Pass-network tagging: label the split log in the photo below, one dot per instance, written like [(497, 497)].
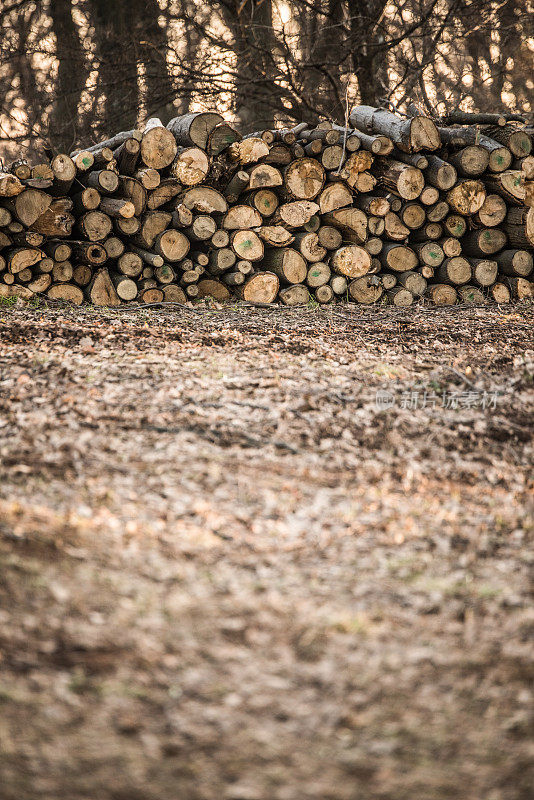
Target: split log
[(250, 151), (334, 196), (264, 176), (205, 200), (309, 246), (66, 291), (350, 221), (56, 220), (241, 217), (28, 205), (492, 212), (295, 214), (520, 288)]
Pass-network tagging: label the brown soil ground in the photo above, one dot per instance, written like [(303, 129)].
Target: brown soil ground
[(227, 574)]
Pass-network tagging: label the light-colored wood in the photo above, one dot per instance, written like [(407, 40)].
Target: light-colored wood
[(220, 138), (395, 228), (413, 281), (56, 220), (456, 270), (467, 197), (117, 208), (263, 200), (351, 261), (101, 290), (264, 176), (248, 151), (202, 228), (172, 293), (167, 190), (515, 263), (130, 264), (400, 296), (492, 212), (88, 253), (304, 178), (329, 237), (500, 293), (260, 288), (410, 134), (318, 274), (334, 196), (29, 205), (470, 161), (190, 166), (295, 214), (172, 245), (442, 294), (212, 288), (307, 243), (296, 295), (350, 221), (205, 200), (275, 235), (365, 290), (470, 294), (398, 257), (430, 253), (484, 242), (324, 294), (403, 179), (288, 264), (66, 291), (484, 271), (241, 217), (356, 163), (247, 245), (521, 289), (19, 258), (221, 260), (94, 226), (133, 190), (194, 129), (10, 185)]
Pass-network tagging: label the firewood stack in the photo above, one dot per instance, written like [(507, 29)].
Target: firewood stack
[(392, 209)]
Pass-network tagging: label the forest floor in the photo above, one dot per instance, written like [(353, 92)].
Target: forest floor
[(231, 571)]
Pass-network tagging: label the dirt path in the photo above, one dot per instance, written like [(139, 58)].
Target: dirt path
[(228, 574)]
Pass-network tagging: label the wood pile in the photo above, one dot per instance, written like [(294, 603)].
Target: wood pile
[(391, 209)]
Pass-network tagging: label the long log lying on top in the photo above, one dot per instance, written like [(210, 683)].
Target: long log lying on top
[(409, 134)]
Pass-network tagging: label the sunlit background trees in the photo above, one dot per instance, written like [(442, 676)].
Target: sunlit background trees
[(74, 71)]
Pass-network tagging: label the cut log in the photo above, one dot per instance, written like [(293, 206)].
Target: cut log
[(202, 228), (358, 162), (237, 183), (515, 263), (324, 294), (295, 214), (101, 291), (149, 178), (113, 246), (484, 242), (402, 179), (318, 275), (467, 197), (379, 145), (519, 227), (248, 151), (66, 291), (220, 138), (19, 258), (309, 246), (294, 295), (158, 145), (58, 250), (470, 161), (260, 288), (130, 264), (88, 253), (400, 297), (275, 235), (430, 253), (329, 237), (374, 245), (105, 181), (440, 173), (263, 200), (117, 208), (510, 185), (441, 294), (86, 200), (151, 294), (409, 134), (413, 281), (351, 261), (127, 155), (437, 212), (94, 226), (134, 191), (456, 270), (264, 176), (365, 290), (520, 288), (221, 260), (241, 217), (484, 271), (82, 275), (413, 215), (395, 228), (172, 293), (500, 157), (333, 157), (10, 185), (212, 288), (351, 222), (195, 128), (247, 245), (455, 225), (398, 257), (304, 179), (64, 170), (500, 293), (205, 200), (172, 245), (450, 245), (339, 284), (29, 205), (190, 166), (429, 196), (126, 288), (334, 196), (514, 137), (233, 278), (288, 264), (167, 190), (40, 284), (56, 220), (15, 290), (470, 294), (492, 212)]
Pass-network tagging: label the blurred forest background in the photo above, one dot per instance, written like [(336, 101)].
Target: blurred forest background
[(74, 71)]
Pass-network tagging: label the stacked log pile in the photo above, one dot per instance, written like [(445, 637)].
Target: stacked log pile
[(391, 209)]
